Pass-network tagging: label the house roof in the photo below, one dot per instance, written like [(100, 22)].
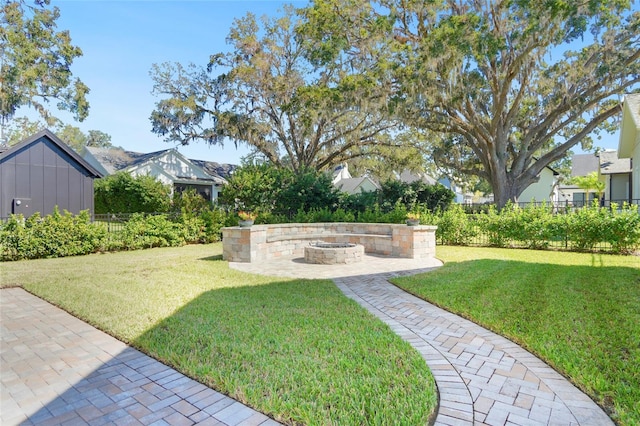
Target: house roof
[(25, 144), (116, 159), (351, 185), (610, 164), (215, 169), (583, 164), (408, 177), (630, 126)]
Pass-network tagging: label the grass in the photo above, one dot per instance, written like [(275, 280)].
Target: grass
[(297, 350), (579, 312)]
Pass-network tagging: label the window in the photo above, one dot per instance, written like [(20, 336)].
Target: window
[(579, 198), (203, 190)]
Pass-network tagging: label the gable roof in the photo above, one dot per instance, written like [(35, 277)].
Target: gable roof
[(215, 169), (583, 164), (117, 159), (353, 185), (47, 134), (409, 177), (630, 126), (610, 163)]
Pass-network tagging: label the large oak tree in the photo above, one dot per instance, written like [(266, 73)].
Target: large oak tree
[(272, 92), (35, 62), (505, 87)]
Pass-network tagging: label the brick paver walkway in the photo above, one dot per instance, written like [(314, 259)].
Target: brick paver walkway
[(58, 370), (482, 378)]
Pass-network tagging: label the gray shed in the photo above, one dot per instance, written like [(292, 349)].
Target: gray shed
[(42, 172)]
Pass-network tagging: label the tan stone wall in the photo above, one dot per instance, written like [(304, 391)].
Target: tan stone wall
[(263, 242)]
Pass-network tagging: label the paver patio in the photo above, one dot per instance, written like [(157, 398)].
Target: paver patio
[(57, 370)]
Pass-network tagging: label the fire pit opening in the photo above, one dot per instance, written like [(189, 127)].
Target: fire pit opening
[(326, 253), (323, 244)]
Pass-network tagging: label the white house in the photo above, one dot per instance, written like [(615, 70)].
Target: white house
[(545, 189), (616, 174), (613, 171), (168, 166), (629, 145), (343, 181)]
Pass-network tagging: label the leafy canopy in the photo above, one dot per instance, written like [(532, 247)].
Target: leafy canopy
[(21, 128), (123, 193), (274, 93), (36, 62), (504, 88)]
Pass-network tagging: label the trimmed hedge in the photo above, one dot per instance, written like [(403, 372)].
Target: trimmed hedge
[(59, 235), (536, 227)]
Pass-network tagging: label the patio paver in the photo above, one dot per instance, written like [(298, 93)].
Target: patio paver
[(55, 369)]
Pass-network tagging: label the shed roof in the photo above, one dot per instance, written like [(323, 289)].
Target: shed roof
[(25, 144)]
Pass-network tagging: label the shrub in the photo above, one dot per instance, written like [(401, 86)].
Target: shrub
[(491, 224), (455, 227), (279, 191), (587, 227), (306, 190), (213, 220), (414, 194), (55, 235), (150, 231), (123, 193), (622, 228)]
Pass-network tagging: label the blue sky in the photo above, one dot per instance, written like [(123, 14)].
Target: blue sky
[(120, 41)]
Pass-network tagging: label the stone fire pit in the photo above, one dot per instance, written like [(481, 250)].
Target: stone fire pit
[(325, 253)]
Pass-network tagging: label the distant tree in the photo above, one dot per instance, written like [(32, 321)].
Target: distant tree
[(98, 139), (77, 139), (271, 93), (72, 136), (35, 66), (589, 183), (507, 87), (19, 129)]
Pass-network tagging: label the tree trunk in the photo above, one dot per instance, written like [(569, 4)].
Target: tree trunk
[(505, 190)]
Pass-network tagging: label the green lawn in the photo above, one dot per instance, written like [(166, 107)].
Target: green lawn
[(297, 350), (579, 312)]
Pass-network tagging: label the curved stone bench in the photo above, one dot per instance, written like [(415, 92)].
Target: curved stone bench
[(264, 242)]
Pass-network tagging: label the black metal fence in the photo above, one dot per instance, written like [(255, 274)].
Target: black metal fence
[(477, 237), (115, 222), (557, 207), (470, 234)]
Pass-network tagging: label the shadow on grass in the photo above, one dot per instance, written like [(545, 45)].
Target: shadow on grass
[(297, 350), (217, 257)]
